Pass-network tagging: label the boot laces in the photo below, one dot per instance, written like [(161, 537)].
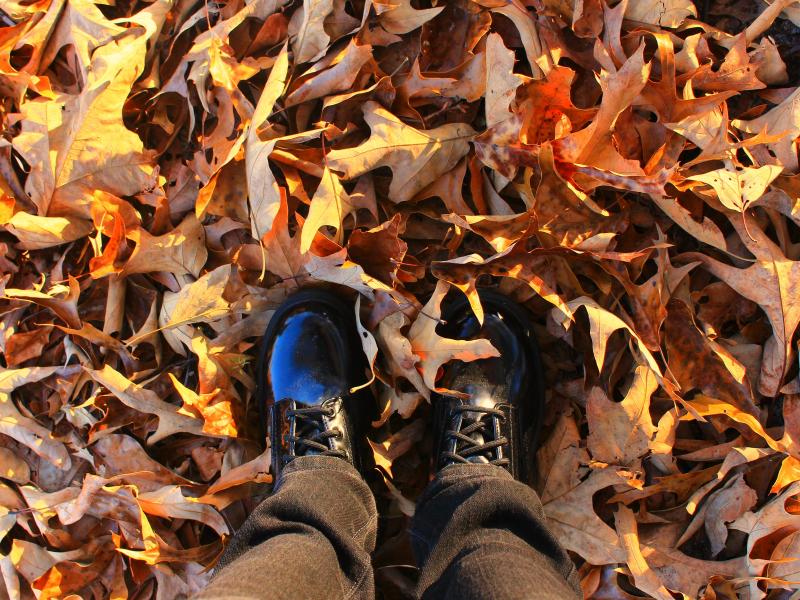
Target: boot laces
[(475, 438), (310, 432)]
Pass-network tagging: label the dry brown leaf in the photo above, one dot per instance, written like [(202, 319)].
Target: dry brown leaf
[(35, 233), (782, 121), (738, 189), (771, 282), (501, 81), (24, 429), (138, 398), (329, 206), (724, 506), (13, 468), (416, 157), (329, 79), (120, 456), (643, 577), (697, 362), (401, 359), (181, 251), (785, 567), (307, 31), (170, 502), (561, 459), (666, 13), (21, 347), (621, 432), (399, 16), (778, 513), (201, 301), (263, 193), (577, 526), (255, 471), (71, 148)]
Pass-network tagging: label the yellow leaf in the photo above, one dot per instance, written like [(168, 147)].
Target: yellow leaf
[(329, 206), (737, 189), (666, 13), (416, 157), (35, 233), (435, 350)]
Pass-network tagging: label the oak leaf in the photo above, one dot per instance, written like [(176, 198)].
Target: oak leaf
[(262, 188), (621, 432), (577, 525), (643, 576), (180, 251), (72, 150), (435, 350), (772, 283), (329, 206), (738, 189), (307, 30), (143, 400), (501, 81), (201, 301), (666, 13), (35, 232), (416, 157), (398, 16)]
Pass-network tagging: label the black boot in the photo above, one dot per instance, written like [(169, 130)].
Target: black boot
[(310, 359), (499, 420)]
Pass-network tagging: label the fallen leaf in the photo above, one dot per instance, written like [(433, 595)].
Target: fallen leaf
[(724, 506), (435, 350), (170, 502), (35, 233), (738, 189), (329, 206), (769, 282), (263, 192), (180, 251), (782, 121), (416, 157), (13, 468), (643, 577), (138, 398), (621, 432), (666, 13), (400, 17), (307, 30), (201, 301)]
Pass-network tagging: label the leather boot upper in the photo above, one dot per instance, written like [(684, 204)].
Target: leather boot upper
[(311, 358), (495, 414)]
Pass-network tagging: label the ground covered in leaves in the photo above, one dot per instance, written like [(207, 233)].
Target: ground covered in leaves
[(170, 171)]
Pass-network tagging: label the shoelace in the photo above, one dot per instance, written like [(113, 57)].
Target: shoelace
[(310, 431), (471, 428)]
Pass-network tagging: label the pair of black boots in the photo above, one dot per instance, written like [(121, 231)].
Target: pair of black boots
[(311, 357)]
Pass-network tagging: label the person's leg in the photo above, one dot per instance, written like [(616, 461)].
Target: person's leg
[(478, 533), (312, 538), (480, 530)]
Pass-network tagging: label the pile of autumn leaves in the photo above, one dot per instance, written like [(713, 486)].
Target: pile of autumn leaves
[(170, 171)]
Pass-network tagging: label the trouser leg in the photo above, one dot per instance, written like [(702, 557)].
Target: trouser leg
[(478, 533), (312, 538)]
